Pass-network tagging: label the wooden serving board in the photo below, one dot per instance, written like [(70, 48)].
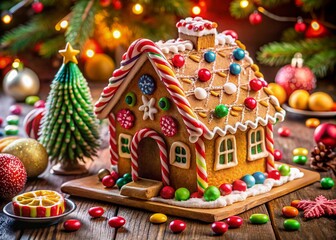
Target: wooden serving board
[(90, 187)]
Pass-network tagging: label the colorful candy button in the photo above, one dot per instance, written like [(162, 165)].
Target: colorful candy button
[(130, 99), (11, 130), (72, 225), (259, 177), (146, 84), (31, 100), (204, 75), (259, 218), (255, 84), (225, 189), (234, 221), (249, 180), (211, 193), (239, 185), (12, 120), (102, 173), (96, 212), (177, 226), (15, 109), (274, 174), (108, 181), (221, 111), (39, 104), (235, 68), (295, 203), (121, 182), (327, 183), (167, 192), (210, 56), (230, 88), (116, 222), (300, 151), (277, 155), (182, 194), (312, 122), (284, 169), (300, 159), (158, 218), (219, 227), (289, 211), (164, 103), (200, 93), (114, 175), (250, 103), (284, 132), (238, 53), (178, 60), (291, 225)]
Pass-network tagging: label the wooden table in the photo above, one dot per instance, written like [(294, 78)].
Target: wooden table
[(138, 225)]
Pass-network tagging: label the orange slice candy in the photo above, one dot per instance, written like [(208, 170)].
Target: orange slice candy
[(40, 203)]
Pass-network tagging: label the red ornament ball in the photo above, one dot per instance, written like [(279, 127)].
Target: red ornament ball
[(326, 133), (204, 75), (225, 189), (239, 185), (219, 227), (316, 30), (255, 84), (255, 18), (104, 3), (71, 225), (117, 5), (231, 33), (116, 222), (250, 103), (32, 122), (277, 155), (96, 212), (284, 132), (37, 7), (177, 226), (178, 60), (275, 174), (234, 221), (300, 27), (13, 176), (167, 192), (298, 3), (108, 181)]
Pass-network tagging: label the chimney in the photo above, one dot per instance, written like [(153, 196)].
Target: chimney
[(200, 32)]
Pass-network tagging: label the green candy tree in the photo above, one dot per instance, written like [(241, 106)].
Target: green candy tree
[(69, 129)]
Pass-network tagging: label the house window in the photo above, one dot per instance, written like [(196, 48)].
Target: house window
[(226, 154), (180, 155), (256, 144), (124, 144)]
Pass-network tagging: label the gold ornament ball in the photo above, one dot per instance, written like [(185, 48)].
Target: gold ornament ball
[(31, 153), (99, 68)]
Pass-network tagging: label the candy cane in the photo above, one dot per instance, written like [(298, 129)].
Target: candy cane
[(202, 176), (139, 135), (270, 147), (113, 140)]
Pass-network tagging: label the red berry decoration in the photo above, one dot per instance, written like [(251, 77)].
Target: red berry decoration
[(255, 18), (277, 155), (116, 222), (225, 189), (108, 181), (231, 33), (234, 221), (177, 226), (37, 7), (219, 227), (114, 175), (13, 176), (275, 174), (72, 225), (96, 212), (284, 132), (255, 84), (204, 75), (239, 185), (168, 126), (300, 26), (250, 103), (178, 60), (167, 192), (104, 3), (125, 118)]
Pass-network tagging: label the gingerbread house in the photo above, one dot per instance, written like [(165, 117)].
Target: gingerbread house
[(190, 112)]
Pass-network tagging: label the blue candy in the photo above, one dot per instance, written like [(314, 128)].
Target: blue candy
[(210, 56), (146, 84), (249, 180), (235, 68), (259, 177), (238, 54)]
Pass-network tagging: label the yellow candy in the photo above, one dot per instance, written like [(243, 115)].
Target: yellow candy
[(158, 218), (312, 122), (300, 152)]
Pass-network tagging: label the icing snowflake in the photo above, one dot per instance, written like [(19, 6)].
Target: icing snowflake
[(168, 126), (146, 84), (321, 206), (148, 108), (125, 118)]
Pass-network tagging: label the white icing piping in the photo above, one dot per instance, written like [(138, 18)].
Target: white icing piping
[(174, 46), (196, 27)]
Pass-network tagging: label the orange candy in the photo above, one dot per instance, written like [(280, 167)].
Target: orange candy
[(312, 122), (289, 211), (295, 203)]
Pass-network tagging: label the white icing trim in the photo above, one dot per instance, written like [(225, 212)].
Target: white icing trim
[(222, 39), (174, 45), (148, 107), (264, 153), (195, 24), (172, 155), (219, 141), (121, 153)]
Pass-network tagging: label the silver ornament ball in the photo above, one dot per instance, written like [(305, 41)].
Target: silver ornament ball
[(20, 84)]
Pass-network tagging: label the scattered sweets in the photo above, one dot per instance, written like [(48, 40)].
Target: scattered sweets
[(221, 111), (238, 53), (284, 132), (219, 227), (102, 173), (11, 130), (114, 175), (290, 212), (72, 225), (211, 193), (230, 88), (15, 109), (259, 177), (225, 189), (128, 177), (177, 226), (295, 203), (182, 194), (312, 122), (284, 169), (259, 218), (255, 84), (275, 174), (250, 103), (178, 60), (204, 75), (300, 151), (121, 182), (234, 221), (116, 222), (96, 212), (158, 218), (239, 185), (1, 121), (210, 56), (249, 180), (200, 93), (300, 159), (31, 100), (327, 183), (291, 225), (12, 120), (235, 68), (167, 192), (108, 181), (277, 155)]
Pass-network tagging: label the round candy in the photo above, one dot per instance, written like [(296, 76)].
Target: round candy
[(230, 88), (300, 159), (259, 177), (39, 104), (11, 130), (96, 212), (312, 122), (221, 111), (300, 151), (277, 155), (238, 53), (250, 103), (128, 177), (225, 189), (125, 118), (235, 68), (275, 174), (108, 181), (211, 193), (284, 169), (284, 132), (249, 180), (164, 104), (12, 120), (200, 93), (31, 100), (167, 192), (210, 56), (116, 222), (121, 182), (204, 75), (295, 203), (255, 84), (72, 225), (178, 60), (146, 84), (158, 218), (327, 183), (291, 225), (219, 227), (259, 218), (1, 121), (15, 109), (177, 226), (182, 194), (168, 126), (234, 221), (196, 195), (239, 185), (102, 173), (130, 99), (290, 212)]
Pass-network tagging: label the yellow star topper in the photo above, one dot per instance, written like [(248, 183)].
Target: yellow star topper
[(69, 54)]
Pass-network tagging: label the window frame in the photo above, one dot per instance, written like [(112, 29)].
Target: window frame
[(172, 155), (225, 152), (120, 145), (263, 153)]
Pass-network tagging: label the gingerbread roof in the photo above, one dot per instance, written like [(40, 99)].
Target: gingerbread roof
[(199, 81)]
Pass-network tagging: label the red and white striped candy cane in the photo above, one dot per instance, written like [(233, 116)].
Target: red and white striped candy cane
[(113, 139), (270, 147), (139, 135), (202, 176)]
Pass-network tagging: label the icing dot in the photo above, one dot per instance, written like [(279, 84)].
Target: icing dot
[(210, 56), (178, 60), (230, 88), (221, 111), (168, 126), (164, 103), (204, 75), (146, 84), (250, 103), (235, 68), (200, 93), (238, 54)]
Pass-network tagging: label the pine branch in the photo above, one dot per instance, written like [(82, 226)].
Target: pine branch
[(238, 12), (321, 63), (50, 47), (176, 7), (290, 35), (273, 3), (311, 5)]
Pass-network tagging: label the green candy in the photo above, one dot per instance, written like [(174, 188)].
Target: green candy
[(121, 182), (221, 111), (13, 120), (127, 177), (284, 169), (11, 130), (211, 193), (327, 183), (31, 100), (182, 194), (300, 159), (291, 224), (130, 99), (259, 218)]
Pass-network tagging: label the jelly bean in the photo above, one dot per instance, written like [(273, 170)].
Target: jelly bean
[(327, 183), (11, 130), (259, 218), (158, 218), (275, 174), (300, 151), (291, 224), (96, 212), (211, 193), (12, 120), (277, 155), (249, 180), (239, 185), (259, 177), (167, 192), (39, 104), (102, 173), (300, 160), (225, 189), (127, 177), (116, 222), (15, 109), (72, 225), (284, 169), (284, 132), (312, 122), (295, 203), (108, 181), (289, 211), (219, 227), (31, 100), (182, 194), (234, 221), (121, 182), (177, 226), (114, 175)]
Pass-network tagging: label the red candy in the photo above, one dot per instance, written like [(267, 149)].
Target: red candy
[(219, 227), (250, 103), (239, 185), (204, 75), (275, 174), (225, 189), (114, 175), (234, 221), (72, 225), (168, 126), (177, 226), (37, 7), (96, 212), (1, 121), (39, 104), (277, 155), (196, 195), (178, 60), (167, 192), (15, 109), (255, 84), (108, 181), (116, 222), (284, 132), (231, 33)]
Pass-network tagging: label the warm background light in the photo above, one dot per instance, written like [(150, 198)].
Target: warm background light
[(315, 25), (196, 10), (16, 63), (90, 53), (64, 24), (116, 34), (6, 18), (137, 9), (244, 3)]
